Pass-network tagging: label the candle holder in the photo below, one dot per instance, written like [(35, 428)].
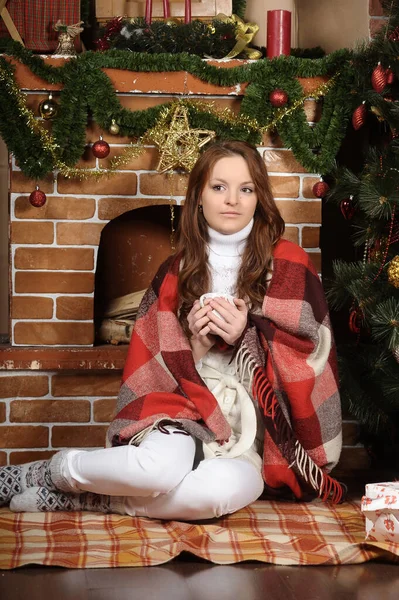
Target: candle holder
[(278, 33)]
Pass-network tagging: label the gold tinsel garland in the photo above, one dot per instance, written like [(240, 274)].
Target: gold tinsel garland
[(393, 271)]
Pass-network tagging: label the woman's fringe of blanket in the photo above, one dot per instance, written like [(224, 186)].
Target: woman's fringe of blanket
[(326, 486)]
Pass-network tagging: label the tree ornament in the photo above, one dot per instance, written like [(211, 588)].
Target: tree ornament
[(394, 35), (179, 145), (278, 98), (114, 127), (48, 108), (393, 271), (376, 111), (100, 148), (347, 208), (390, 76), (67, 34), (359, 116), (37, 198), (379, 78), (356, 320), (396, 353), (320, 189)]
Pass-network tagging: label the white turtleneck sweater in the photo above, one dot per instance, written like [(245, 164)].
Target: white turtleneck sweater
[(224, 257), (215, 368)]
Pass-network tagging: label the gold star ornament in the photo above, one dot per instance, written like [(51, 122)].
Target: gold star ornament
[(179, 146)]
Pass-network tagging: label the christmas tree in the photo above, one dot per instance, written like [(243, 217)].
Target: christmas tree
[(369, 287)]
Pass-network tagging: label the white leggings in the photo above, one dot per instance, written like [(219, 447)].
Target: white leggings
[(157, 480)]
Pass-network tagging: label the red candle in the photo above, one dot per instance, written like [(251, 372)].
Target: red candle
[(187, 11), (278, 33), (166, 9), (148, 11)]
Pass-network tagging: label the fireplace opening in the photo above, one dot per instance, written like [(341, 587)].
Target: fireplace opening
[(132, 247)]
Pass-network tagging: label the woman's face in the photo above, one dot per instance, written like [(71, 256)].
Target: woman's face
[(229, 197)]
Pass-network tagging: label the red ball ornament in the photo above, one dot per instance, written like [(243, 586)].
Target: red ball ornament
[(37, 198), (379, 78), (278, 98), (390, 76), (347, 208), (101, 148), (359, 117), (356, 320), (320, 189)]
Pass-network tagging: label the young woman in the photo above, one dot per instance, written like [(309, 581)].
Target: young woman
[(223, 395)]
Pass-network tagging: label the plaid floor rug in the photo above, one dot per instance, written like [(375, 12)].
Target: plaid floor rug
[(272, 532)]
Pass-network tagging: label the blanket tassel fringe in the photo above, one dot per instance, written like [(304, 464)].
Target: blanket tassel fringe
[(327, 487)]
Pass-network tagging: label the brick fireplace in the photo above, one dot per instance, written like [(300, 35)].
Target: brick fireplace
[(57, 389)]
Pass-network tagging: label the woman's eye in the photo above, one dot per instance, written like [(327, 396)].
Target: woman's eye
[(217, 188), (247, 190)]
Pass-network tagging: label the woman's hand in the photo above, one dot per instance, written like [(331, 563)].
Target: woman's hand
[(233, 321), (198, 322)]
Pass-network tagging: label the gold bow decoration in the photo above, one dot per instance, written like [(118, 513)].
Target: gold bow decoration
[(245, 33)]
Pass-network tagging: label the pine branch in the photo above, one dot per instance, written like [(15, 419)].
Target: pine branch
[(385, 323)]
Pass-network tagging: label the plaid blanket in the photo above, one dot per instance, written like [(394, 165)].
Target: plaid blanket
[(288, 354), (269, 532), (35, 21)]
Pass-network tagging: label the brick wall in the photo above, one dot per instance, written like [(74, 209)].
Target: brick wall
[(377, 17), (55, 396)]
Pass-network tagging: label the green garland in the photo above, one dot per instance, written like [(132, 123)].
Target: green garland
[(215, 39), (87, 90)]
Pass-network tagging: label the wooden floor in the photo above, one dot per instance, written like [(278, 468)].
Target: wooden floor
[(192, 580)]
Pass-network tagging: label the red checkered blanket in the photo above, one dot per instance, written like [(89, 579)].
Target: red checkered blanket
[(35, 21), (287, 351)]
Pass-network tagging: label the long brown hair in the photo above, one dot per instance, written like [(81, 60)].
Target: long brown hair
[(192, 234)]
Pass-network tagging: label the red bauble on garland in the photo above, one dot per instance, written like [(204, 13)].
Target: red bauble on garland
[(320, 189), (390, 76), (359, 116), (379, 78), (356, 320), (278, 98), (37, 198), (101, 148), (347, 208)]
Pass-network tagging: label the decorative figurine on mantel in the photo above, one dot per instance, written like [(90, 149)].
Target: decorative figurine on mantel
[(66, 37)]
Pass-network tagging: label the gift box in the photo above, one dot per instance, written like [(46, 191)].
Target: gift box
[(380, 506)]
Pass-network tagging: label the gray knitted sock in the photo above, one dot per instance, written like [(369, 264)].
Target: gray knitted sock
[(40, 499), (15, 479), (10, 483), (46, 473)]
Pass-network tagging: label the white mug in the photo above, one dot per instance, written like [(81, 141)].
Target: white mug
[(227, 297)]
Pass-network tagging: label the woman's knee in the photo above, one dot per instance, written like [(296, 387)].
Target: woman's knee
[(224, 491), (164, 462)]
